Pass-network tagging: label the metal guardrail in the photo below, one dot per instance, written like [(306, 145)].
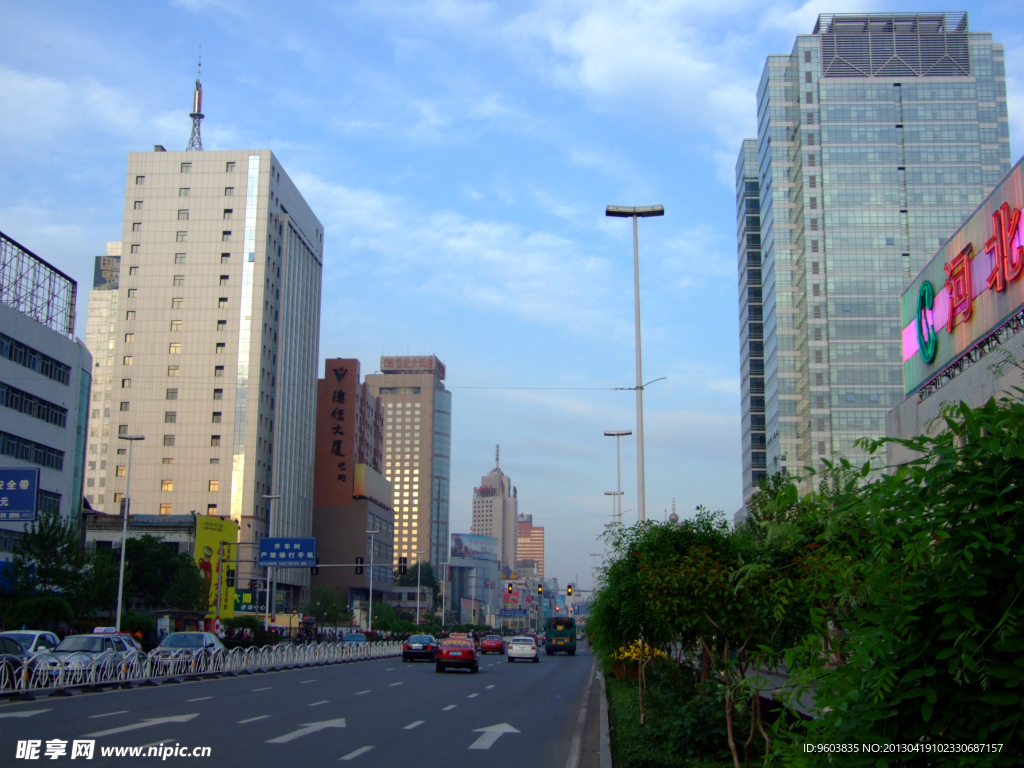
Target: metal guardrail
[(50, 673)]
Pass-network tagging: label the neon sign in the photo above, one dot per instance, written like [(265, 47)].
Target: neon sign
[(927, 341)]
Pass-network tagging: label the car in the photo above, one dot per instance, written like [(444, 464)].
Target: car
[(355, 637), (32, 641), (457, 652), (188, 641), (523, 647), (91, 645), (492, 644), (419, 647)]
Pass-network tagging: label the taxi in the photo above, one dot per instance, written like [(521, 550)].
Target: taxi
[(492, 644), (457, 652)]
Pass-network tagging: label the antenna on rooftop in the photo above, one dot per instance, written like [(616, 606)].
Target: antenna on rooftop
[(497, 456), (195, 142)]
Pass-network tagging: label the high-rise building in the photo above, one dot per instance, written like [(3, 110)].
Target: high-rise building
[(877, 135), (45, 382), (417, 451), (530, 542), (100, 333), (215, 360), (351, 497), (495, 512)]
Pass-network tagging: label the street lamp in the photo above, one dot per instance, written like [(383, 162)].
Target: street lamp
[(270, 534), (640, 212), (124, 524), (369, 621), (614, 495), (618, 434), (418, 585)]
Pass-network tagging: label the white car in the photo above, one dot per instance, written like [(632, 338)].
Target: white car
[(32, 641), (523, 648)]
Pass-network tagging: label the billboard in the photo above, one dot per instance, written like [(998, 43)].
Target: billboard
[(407, 364), (106, 273), (473, 547), (973, 285), (18, 490), (211, 533), (369, 484)]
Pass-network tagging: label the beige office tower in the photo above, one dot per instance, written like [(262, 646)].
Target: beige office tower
[(100, 333), (217, 345), (417, 452), (530, 542), (495, 512)]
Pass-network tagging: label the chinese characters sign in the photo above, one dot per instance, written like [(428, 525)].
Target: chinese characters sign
[(425, 364), (18, 490), (278, 552), (973, 285)]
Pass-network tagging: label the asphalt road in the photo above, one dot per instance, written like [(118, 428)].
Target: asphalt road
[(371, 713)]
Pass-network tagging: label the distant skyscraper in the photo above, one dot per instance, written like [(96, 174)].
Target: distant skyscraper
[(878, 134), (495, 512), (100, 334), (417, 451), (215, 360), (530, 542)]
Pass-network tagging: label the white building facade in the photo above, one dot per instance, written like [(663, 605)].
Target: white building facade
[(495, 512)]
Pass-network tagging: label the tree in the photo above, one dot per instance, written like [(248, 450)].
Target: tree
[(326, 607), (151, 564), (385, 617), (47, 559), (48, 611), (428, 578), (187, 589)]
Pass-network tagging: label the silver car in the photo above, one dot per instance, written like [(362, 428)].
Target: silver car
[(523, 648), (32, 640)]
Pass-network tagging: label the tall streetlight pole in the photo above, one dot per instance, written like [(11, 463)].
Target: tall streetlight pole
[(270, 534), (618, 434), (615, 497), (638, 212), (124, 525), (369, 621), (418, 586)]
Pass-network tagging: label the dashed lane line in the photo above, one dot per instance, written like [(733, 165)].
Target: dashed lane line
[(472, 695), (394, 684), (357, 753), (450, 706), (109, 714), (303, 682), (489, 687), (318, 703), (268, 688), (415, 724), (201, 698), (362, 692), (253, 719)]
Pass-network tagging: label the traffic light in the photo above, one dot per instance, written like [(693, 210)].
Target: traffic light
[(569, 590), (230, 580), (359, 566), (540, 589), (314, 571), (510, 587), (403, 565)]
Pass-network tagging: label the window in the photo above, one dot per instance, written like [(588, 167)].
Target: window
[(211, 509), (225, 236), (229, 167), (179, 258), (807, 57), (222, 325), (169, 441), (215, 461), (122, 429), (126, 383), (181, 237), (132, 292), (132, 271), (172, 394), (138, 205), (214, 485), (216, 417), (128, 360), (120, 471), (183, 214), (136, 226), (140, 180), (218, 394), (220, 347), (165, 509), (214, 441), (222, 302), (807, 77), (170, 417), (186, 167), (174, 348), (179, 280), (129, 338), (225, 258), (228, 212), (124, 405), (184, 192), (229, 191), (135, 249), (129, 315), (218, 371), (118, 498), (168, 461), (175, 325), (177, 303), (172, 371)]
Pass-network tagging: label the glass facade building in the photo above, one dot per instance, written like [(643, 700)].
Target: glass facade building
[(878, 134)]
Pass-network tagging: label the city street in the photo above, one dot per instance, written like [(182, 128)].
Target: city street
[(378, 713)]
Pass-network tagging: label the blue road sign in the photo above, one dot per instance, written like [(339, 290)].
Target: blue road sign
[(280, 552), (505, 612), (18, 491)]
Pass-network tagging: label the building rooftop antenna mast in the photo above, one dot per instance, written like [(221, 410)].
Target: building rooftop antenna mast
[(195, 142)]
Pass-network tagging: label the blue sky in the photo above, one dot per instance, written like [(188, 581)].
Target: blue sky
[(460, 155)]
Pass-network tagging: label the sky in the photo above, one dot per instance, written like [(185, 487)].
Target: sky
[(460, 155)]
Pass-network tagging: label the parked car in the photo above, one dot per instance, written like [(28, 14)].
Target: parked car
[(523, 647), (188, 641), (12, 651), (419, 647), (492, 644), (355, 637), (457, 652), (32, 641)]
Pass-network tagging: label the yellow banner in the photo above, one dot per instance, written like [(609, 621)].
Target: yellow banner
[(211, 534)]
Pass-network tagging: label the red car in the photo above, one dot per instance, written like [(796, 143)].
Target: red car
[(492, 644), (457, 652)]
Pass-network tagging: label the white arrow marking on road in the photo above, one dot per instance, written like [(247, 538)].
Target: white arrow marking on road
[(412, 725), (357, 753), (490, 735), (143, 724), (24, 714), (307, 729)]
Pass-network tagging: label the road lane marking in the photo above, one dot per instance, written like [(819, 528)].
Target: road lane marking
[(410, 726), (201, 698), (109, 714), (472, 695), (394, 684), (490, 734), (253, 719), (577, 740), (307, 729), (30, 713), (357, 753), (160, 742), (269, 687), (143, 724), (390, 669), (307, 681), (450, 706), (489, 687), (318, 703)]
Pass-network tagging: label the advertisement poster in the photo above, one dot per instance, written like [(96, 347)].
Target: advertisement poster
[(473, 547), (211, 533)]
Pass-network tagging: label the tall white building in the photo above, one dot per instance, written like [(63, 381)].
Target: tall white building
[(215, 357), (100, 334), (495, 512)]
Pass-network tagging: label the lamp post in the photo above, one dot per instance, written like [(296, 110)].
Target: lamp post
[(369, 621), (124, 524), (618, 434), (418, 585), (639, 212), (270, 534), (444, 579), (614, 495)]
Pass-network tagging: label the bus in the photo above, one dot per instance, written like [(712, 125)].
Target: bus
[(561, 635)]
